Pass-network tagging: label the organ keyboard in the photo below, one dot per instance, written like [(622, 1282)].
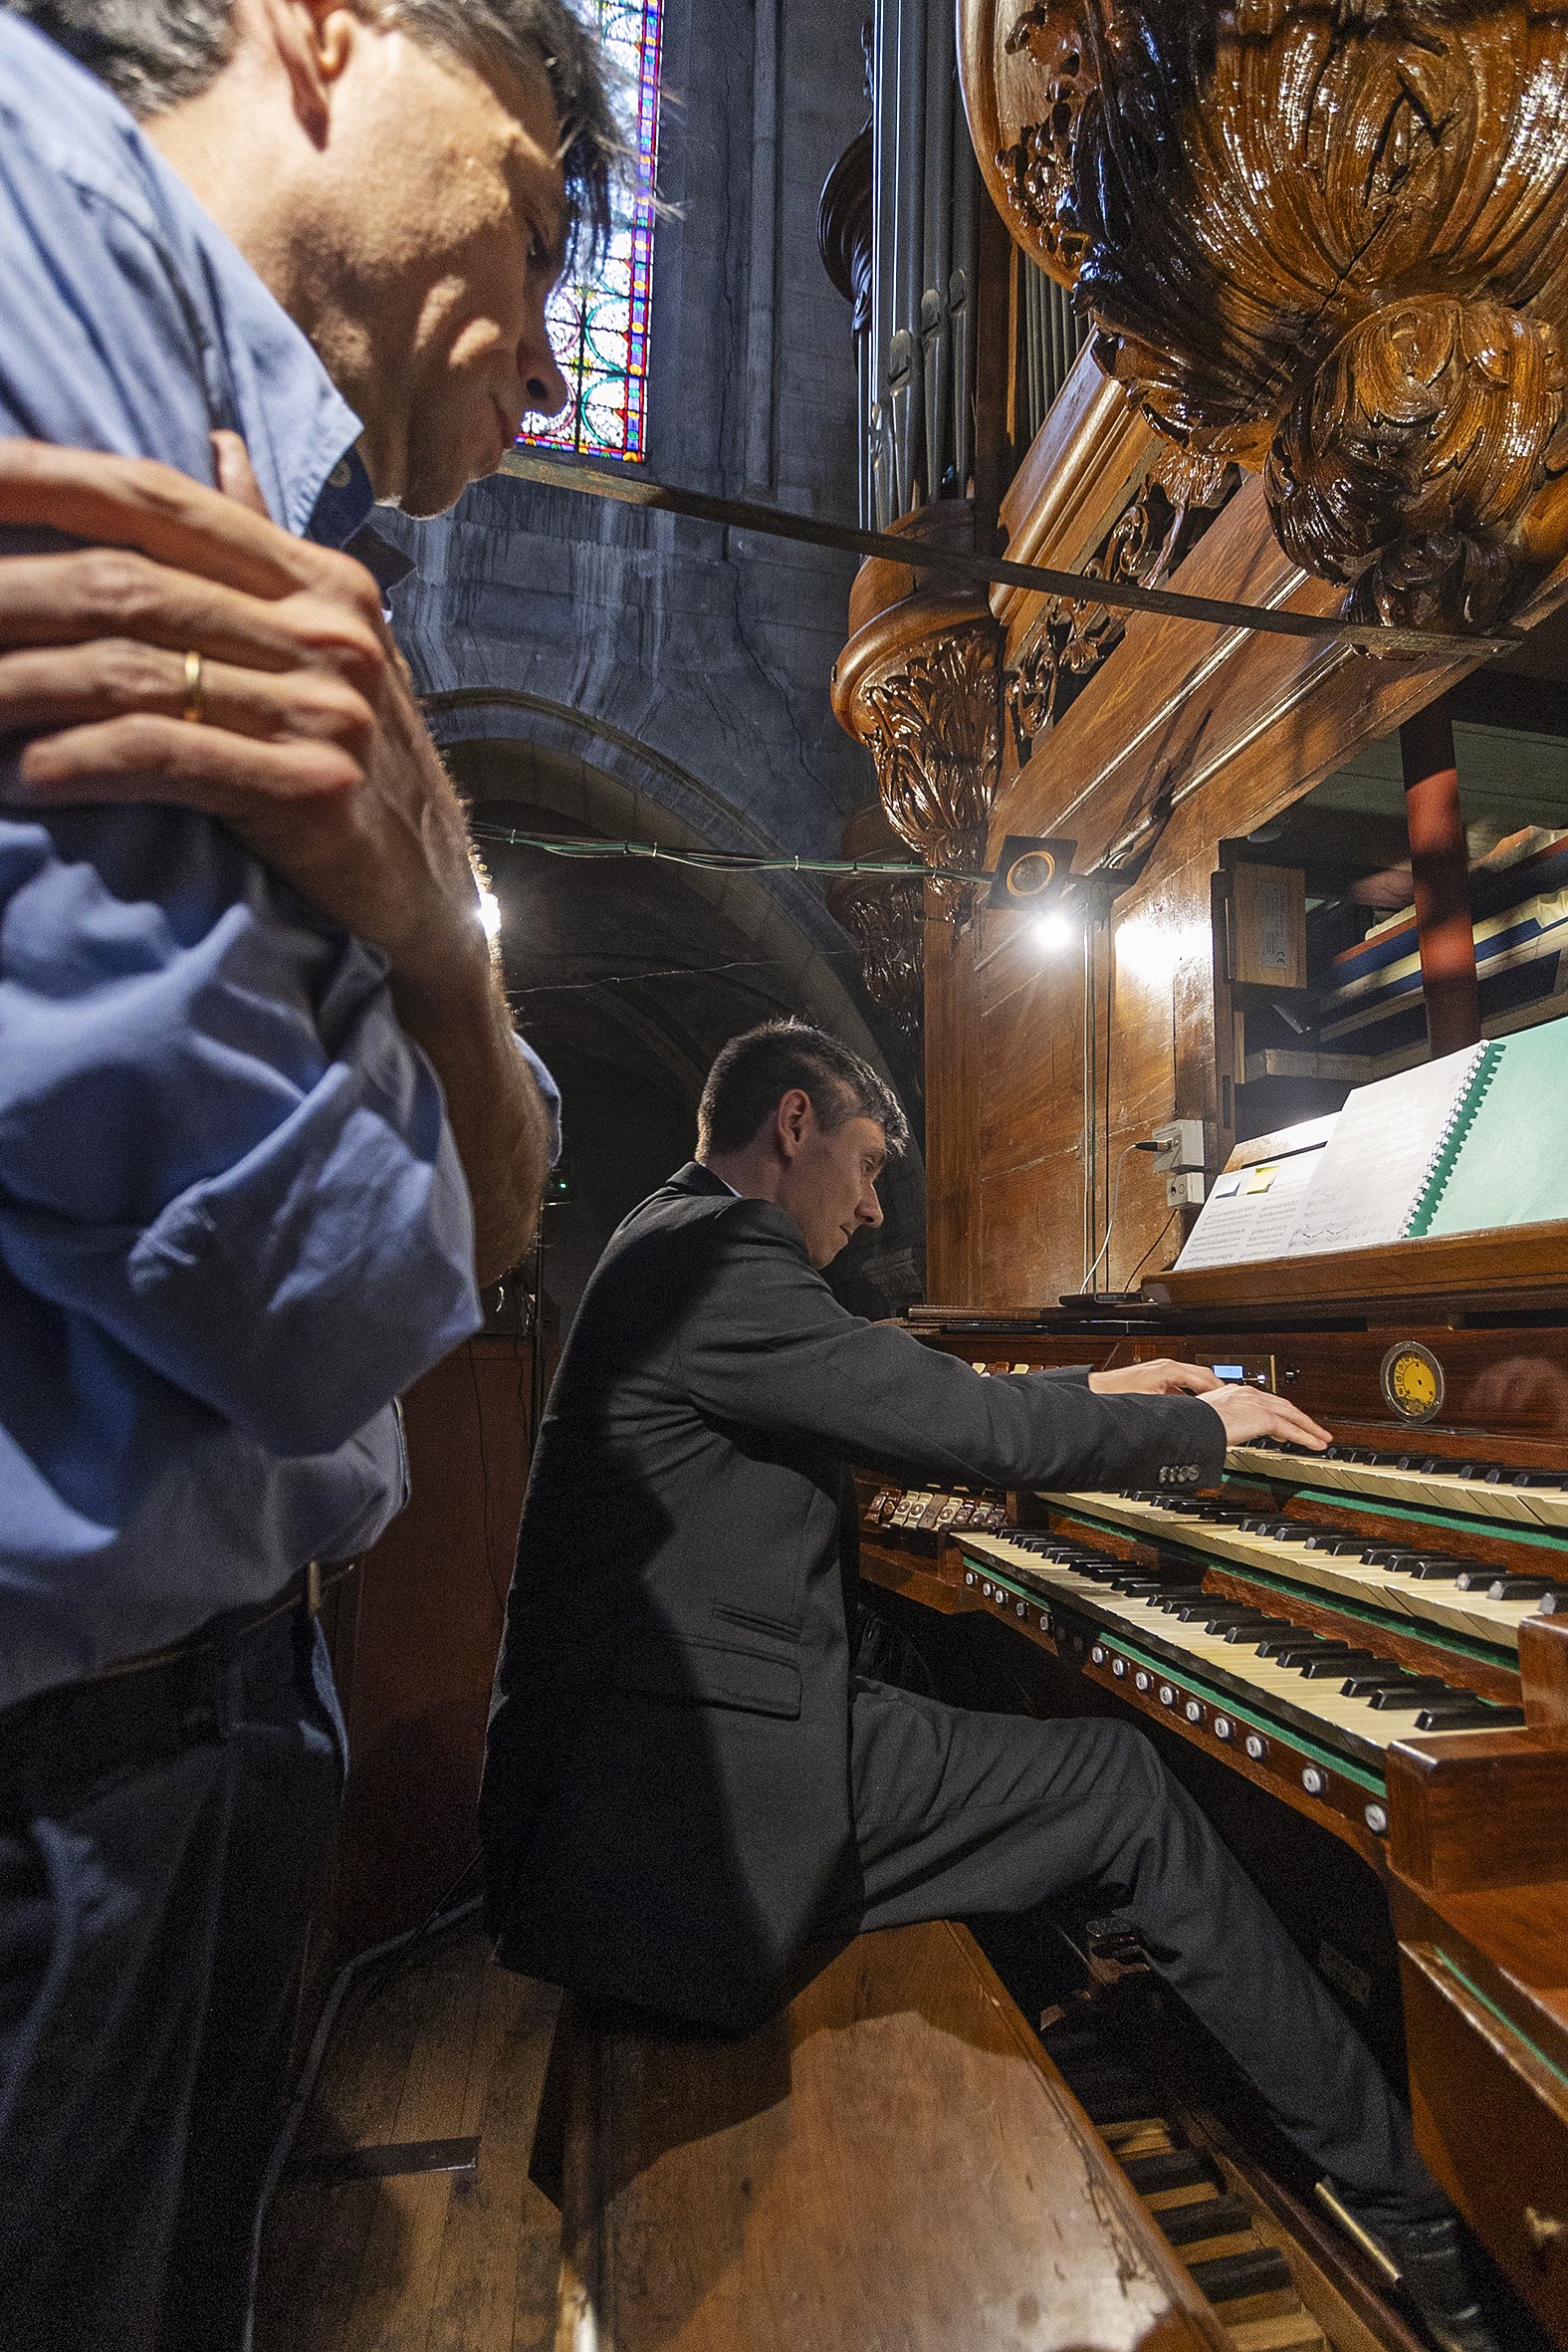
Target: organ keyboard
[(1375, 1637)]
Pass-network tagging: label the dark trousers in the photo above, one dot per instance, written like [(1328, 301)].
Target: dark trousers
[(161, 1836), (959, 1812)]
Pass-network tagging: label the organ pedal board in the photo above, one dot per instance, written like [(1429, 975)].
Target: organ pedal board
[(1278, 2279)]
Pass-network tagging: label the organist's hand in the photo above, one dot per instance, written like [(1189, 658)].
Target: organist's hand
[(1251, 1413), (1164, 1377)]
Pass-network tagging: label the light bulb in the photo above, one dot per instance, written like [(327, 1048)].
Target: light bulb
[(489, 912), (1055, 930)]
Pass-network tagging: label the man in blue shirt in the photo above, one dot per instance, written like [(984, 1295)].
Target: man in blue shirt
[(257, 1122)]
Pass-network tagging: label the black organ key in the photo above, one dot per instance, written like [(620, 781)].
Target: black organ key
[(1206, 1610), (1293, 1648), (1478, 1716), (1520, 1587), (1396, 1683), (1319, 1669)]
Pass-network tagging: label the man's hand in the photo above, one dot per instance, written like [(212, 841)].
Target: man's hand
[(1164, 1377), (311, 748), (1250, 1413)]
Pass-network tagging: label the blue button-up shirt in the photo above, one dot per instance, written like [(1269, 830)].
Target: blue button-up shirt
[(232, 1224)]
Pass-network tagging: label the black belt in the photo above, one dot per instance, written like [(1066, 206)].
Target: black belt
[(64, 1739)]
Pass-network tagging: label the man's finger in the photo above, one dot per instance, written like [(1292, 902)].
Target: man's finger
[(115, 592), (154, 759), (48, 690), (131, 502), (236, 475)]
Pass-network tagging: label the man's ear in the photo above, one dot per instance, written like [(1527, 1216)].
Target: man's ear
[(791, 1120), (312, 41)]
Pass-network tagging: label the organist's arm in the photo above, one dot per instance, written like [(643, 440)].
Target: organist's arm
[(767, 1346)]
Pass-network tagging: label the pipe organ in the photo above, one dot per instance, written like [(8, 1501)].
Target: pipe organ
[(1264, 302)]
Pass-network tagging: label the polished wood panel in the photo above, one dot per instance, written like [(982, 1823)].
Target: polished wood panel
[(1510, 1263), (1490, 1810), (892, 2164), (415, 1646), (1074, 479), (1485, 1986)]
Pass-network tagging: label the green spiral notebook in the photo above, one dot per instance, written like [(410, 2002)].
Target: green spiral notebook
[(1503, 1157)]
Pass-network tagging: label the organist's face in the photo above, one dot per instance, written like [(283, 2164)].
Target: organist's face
[(830, 1179)]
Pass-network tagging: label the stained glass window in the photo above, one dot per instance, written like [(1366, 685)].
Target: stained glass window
[(598, 322)]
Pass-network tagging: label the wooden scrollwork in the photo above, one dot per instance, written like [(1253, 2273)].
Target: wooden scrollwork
[(919, 684), (1325, 238), (885, 916), (932, 730), (1161, 522)]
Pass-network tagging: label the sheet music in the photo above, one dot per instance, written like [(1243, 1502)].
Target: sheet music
[(1371, 1172), (1250, 1211)]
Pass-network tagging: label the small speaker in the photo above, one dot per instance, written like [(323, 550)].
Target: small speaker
[(1030, 872)]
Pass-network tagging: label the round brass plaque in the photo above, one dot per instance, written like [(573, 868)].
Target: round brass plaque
[(1413, 1383)]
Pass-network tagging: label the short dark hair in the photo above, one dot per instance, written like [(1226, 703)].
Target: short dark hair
[(154, 54), (754, 1073)]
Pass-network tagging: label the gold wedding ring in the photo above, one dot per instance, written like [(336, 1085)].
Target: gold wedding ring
[(193, 712)]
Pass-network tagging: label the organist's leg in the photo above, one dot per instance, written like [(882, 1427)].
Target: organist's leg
[(962, 1812)]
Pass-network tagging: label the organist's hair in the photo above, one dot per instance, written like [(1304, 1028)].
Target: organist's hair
[(754, 1071), (155, 53)]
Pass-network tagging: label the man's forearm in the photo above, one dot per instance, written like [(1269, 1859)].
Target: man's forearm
[(498, 1115)]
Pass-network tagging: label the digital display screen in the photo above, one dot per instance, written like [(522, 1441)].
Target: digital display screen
[(1228, 1371)]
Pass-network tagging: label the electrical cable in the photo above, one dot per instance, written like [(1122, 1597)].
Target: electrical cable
[(564, 988), (1149, 1253), (1116, 1200), (718, 861)]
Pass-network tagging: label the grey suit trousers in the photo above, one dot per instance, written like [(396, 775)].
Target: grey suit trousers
[(958, 1812)]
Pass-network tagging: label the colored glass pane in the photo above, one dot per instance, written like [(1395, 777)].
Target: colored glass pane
[(599, 318)]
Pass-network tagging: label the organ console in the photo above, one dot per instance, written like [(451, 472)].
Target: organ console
[(1374, 1640)]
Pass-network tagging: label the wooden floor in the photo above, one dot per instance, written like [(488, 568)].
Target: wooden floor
[(452, 2047)]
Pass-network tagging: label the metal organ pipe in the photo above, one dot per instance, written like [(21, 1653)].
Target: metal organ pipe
[(924, 193), (938, 246), (884, 180)]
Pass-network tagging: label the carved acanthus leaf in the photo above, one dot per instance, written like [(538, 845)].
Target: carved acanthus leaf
[(885, 915), (932, 727)]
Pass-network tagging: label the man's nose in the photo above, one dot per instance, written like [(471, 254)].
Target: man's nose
[(870, 1210), (545, 391)]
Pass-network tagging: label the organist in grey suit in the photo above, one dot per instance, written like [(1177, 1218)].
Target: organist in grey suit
[(691, 1793)]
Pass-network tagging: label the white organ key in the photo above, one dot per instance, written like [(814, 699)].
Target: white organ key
[(1321, 1702), (1543, 1507), (1473, 1613)]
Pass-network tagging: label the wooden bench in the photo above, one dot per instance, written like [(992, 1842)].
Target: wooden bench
[(891, 2165)]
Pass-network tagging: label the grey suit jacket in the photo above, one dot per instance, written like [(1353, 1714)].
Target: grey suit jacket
[(666, 1809)]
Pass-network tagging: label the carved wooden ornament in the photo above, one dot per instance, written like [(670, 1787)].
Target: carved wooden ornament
[(885, 915), (932, 728), (1325, 238)]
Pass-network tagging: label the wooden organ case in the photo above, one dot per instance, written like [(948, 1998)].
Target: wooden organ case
[(1260, 303)]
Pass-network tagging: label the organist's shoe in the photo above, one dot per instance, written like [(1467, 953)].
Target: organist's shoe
[(1436, 2276)]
